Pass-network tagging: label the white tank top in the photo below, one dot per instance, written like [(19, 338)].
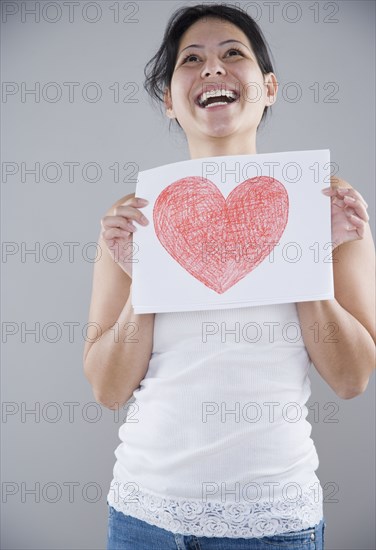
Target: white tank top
[(216, 441)]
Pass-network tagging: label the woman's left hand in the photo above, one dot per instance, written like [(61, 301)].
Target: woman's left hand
[(348, 214)]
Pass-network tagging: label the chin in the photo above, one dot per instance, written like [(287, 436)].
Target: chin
[(221, 131)]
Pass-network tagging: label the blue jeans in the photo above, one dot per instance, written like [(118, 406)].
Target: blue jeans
[(129, 533)]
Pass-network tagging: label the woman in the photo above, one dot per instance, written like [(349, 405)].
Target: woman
[(184, 479)]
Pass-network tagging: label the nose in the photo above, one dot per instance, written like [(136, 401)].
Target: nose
[(213, 66)]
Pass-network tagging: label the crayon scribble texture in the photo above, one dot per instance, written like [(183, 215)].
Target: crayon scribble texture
[(217, 240)]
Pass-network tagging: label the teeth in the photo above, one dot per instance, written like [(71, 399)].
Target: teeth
[(216, 103), (215, 93)]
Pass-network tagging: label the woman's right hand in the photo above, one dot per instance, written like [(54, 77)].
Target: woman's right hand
[(117, 231)]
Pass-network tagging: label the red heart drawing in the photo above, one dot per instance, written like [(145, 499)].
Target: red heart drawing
[(217, 240)]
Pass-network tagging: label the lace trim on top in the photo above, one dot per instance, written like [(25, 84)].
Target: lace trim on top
[(218, 519)]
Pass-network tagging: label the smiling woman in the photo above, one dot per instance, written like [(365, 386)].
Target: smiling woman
[(225, 127), (224, 480), (234, 57)]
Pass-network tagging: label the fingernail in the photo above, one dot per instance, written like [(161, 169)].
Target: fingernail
[(350, 198), (325, 190), (143, 201)]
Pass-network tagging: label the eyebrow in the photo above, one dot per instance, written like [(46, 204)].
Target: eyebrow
[(220, 44)]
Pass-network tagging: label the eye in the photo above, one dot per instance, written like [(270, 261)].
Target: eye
[(238, 52), (188, 56), (235, 50)]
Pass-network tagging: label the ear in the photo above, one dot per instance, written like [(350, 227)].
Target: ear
[(168, 103), (271, 84)]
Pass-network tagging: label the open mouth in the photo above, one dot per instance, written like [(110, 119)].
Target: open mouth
[(216, 98)]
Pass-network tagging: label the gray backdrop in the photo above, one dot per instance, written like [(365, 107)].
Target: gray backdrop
[(57, 461)]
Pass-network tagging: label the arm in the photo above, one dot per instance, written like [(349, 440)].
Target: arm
[(116, 360), (345, 358)]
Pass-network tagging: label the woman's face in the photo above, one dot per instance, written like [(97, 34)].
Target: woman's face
[(215, 66)]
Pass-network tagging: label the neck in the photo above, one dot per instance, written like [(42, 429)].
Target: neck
[(217, 147)]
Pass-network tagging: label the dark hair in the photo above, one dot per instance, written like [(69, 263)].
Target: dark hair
[(159, 70)]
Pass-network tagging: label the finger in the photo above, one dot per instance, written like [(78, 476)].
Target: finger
[(335, 198), (132, 213), (328, 190), (117, 221), (357, 206), (114, 233), (340, 192), (135, 202), (342, 200), (356, 220), (331, 190), (337, 201), (351, 192), (356, 224)]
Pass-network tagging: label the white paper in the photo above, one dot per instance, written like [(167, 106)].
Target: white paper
[(198, 215)]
